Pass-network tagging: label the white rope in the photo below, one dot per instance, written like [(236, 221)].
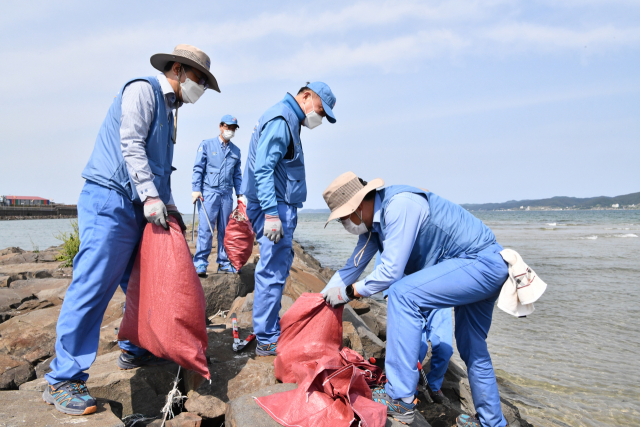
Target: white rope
[(173, 398)]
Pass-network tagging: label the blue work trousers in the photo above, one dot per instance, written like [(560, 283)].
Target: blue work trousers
[(469, 285), (110, 229), (218, 206), (272, 270), (438, 329)]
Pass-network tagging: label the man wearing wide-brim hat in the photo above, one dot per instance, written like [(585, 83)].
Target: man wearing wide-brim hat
[(433, 255), (128, 183)]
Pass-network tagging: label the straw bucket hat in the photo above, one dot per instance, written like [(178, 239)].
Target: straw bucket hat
[(345, 193), (190, 56)]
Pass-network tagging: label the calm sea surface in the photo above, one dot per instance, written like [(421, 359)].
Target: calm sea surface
[(575, 360)]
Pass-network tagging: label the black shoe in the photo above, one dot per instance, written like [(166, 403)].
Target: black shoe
[(128, 361), (70, 397), (438, 396), (398, 409)]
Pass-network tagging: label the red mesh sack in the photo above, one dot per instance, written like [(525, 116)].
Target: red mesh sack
[(238, 237), (165, 307), (326, 397), (310, 329)]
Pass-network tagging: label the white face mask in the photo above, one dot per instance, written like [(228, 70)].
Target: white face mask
[(313, 119), (355, 229), (228, 134), (191, 91)]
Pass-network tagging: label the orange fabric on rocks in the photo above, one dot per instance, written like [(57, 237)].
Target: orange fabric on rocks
[(165, 306)]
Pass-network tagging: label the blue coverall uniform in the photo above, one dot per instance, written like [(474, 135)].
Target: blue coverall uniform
[(434, 255), (216, 173), (111, 221), (274, 184), (437, 328)]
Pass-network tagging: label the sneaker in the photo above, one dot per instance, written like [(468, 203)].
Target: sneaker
[(128, 361), (266, 349), (201, 270), (70, 397), (465, 420), (398, 409), (438, 396), (227, 269)]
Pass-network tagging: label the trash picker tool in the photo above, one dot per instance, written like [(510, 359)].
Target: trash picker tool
[(426, 383), (206, 216), (193, 226), (237, 343)]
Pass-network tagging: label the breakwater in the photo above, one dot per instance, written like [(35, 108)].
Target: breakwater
[(32, 212)]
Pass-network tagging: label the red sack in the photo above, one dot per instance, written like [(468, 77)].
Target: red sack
[(326, 397), (373, 374), (310, 329), (165, 307), (238, 237)]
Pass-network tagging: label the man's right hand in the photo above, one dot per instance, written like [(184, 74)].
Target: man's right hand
[(273, 228), (195, 196), (156, 212)]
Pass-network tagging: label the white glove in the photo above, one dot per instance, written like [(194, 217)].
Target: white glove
[(242, 199), (336, 296), (156, 212), (273, 228), (195, 196)]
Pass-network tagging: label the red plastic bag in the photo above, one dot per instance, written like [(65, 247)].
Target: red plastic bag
[(326, 397), (310, 329), (165, 307), (238, 237)]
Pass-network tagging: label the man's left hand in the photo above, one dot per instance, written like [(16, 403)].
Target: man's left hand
[(336, 296), (172, 210)]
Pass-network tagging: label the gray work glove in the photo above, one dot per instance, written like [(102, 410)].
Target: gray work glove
[(195, 196), (156, 212), (336, 297), (273, 228)]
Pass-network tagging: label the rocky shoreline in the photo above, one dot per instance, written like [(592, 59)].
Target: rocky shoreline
[(32, 288)]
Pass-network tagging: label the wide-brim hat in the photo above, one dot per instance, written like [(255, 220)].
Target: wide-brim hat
[(190, 56), (345, 193)]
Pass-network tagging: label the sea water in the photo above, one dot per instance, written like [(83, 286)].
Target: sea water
[(572, 362)]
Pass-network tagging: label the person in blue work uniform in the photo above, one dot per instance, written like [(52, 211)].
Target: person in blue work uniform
[(437, 328), (216, 173), (275, 187), (128, 183), (434, 255)]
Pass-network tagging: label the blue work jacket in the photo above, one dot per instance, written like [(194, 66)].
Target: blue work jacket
[(412, 234), (106, 165), (275, 166), (217, 169)]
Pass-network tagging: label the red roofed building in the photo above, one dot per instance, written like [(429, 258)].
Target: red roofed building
[(24, 201)]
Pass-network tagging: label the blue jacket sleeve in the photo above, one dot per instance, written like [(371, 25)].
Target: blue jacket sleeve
[(237, 174), (199, 168), (349, 274), (403, 217), (272, 147)]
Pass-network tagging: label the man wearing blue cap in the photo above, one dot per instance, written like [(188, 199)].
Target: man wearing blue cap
[(216, 173), (275, 188)]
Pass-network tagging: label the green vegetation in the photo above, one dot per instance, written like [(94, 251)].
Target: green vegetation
[(36, 248), (70, 245), (562, 202)]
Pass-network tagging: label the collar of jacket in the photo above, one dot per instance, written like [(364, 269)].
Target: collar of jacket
[(291, 102)]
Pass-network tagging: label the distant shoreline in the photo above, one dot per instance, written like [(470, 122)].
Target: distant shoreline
[(21, 218)]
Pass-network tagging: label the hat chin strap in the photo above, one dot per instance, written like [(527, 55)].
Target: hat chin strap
[(358, 257)]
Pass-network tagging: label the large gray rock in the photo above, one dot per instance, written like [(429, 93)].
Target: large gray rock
[(208, 407), (26, 408), (372, 346), (138, 391), (255, 375), (30, 336), (245, 412), (32, 270), (14, 371), (220, 290)]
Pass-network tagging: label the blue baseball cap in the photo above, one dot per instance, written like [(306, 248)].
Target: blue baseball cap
[(229, 120), (327, 98)]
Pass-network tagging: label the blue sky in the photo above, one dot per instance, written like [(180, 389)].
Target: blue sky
[(478, 101)]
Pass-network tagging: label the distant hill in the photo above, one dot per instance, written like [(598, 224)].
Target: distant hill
[(315, 211), (561, 202)]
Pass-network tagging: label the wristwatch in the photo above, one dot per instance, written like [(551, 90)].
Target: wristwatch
[(350, 292)]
